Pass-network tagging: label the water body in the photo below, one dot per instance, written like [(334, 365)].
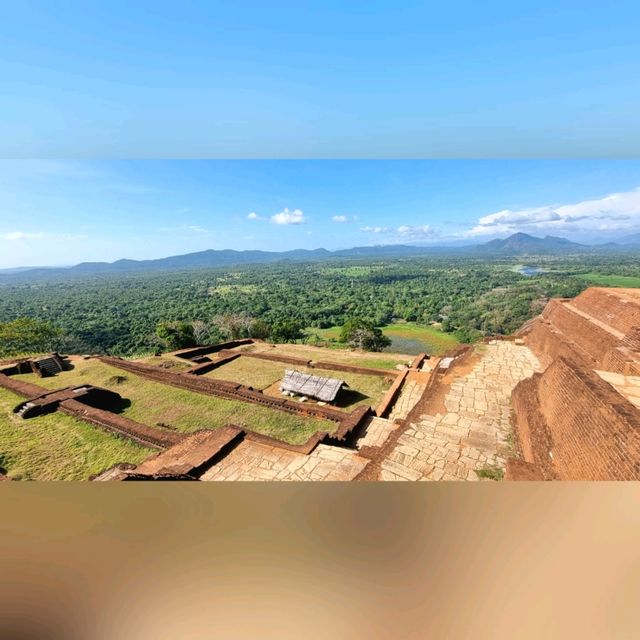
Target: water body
[(529, 271), (410, 346)]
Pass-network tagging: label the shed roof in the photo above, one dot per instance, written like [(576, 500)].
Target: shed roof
[(325, 389)]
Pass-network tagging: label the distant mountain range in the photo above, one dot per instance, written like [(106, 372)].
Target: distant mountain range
[(518, 244)]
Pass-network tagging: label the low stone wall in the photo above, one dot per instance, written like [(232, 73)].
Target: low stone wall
[(418, 361), (24, 389), (194, 352), (141, 433), (206, 367), (392, 394), (349, 368), (298, 362), (573, 425)]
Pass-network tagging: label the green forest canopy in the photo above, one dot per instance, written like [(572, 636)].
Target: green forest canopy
[(470, 297)]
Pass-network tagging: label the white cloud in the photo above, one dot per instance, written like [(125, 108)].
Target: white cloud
[(339, 218), (404, 232), (288, 217), (197, 228), (21, 235), (15, 236), (614, 212), (253, 216), (375, 229), (419, 232)]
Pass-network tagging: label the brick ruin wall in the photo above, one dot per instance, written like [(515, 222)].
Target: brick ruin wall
[(350, 368), (548, 344), (141, 433), (206, 367), (195, 352), (224, 389), (589, 336), (21, 388), (610, 307), (572, 425), (120, 425), (391, 395)]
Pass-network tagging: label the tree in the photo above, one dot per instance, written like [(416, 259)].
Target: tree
[(259, 329), (233, 325), (364, 335), (287, 331), (27, 335), (200, 332), (176, 335)]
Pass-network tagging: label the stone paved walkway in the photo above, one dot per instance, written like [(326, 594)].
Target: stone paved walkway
[(377, 433), (473, 430), (256, 461), (410, 394)]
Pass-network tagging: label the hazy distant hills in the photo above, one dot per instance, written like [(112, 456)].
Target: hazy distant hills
[(518, 244)]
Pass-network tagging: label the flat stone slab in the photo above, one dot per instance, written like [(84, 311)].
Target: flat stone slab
[(190, 454), (257, 461)]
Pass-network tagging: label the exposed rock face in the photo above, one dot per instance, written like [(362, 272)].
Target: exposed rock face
[(571, 421)]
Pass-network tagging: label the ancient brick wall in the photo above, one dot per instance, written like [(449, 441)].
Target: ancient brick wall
[(349, 368), (622, 360), (619, 308), (274, 357), (392, 394), (548, 344), (189, 354), (141, 433), (591, 337), (24, 389), (575, 426), (206, 367)]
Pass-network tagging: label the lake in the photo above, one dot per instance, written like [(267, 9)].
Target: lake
[(530, 271)]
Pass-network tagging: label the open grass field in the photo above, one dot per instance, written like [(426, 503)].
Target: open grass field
[(610, 281), (406, 337), (340, 354), (170, 363), (261, 374), (153, 403), (57, 446)]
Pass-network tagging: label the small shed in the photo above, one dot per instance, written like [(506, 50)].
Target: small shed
[(305, 384)]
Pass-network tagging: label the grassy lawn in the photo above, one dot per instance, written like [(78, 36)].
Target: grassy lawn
[(258, 374), (610, 281), (341, 354), (170, 363), (153, 403), (57, 446), (406, 337)]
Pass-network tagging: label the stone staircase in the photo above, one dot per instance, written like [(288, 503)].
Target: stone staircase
[(48, 366)]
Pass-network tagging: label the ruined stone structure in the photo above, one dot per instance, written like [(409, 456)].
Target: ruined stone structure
[(579, 419), (560, 400)]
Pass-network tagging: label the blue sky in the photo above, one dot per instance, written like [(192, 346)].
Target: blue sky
[(64, 212), (319, 79)]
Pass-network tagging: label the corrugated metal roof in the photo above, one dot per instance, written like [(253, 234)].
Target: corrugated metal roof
[(304, 384)]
